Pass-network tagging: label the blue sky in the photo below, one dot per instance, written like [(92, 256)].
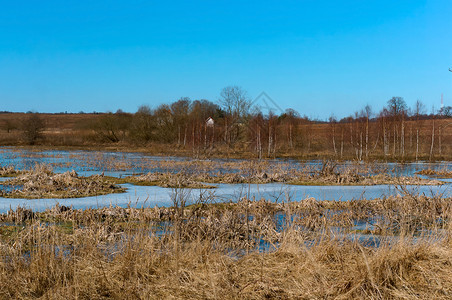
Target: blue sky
[(318, 57)]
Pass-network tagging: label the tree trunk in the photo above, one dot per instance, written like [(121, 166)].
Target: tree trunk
[(439, 140), (385, 148), (395, 141), (274, 143), (360, 146), (290, 136), (178, 136), (259, 143), (402, 140), (433, 140), (270, 140), (342, 142), (417, 143), (367, 137), (334, 142), (411, 139)]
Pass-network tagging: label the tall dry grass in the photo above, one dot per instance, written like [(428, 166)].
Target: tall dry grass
[(246, 250)]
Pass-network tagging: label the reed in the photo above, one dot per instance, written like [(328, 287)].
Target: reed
[(41, 182), (251, 249)]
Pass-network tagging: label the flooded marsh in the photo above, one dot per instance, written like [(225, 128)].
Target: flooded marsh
[(95, 178), (199, 229)]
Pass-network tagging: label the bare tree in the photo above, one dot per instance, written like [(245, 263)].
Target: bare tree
[(446, 111), (237, 105), (290, 120), (433, 133), (143, 124), (32, 126), (385, 129), (180, 110), (332, 120), (235, 101), (419, 109), (397, 108), (368, 113)]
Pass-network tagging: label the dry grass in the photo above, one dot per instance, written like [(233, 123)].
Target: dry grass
[(194, 173), (41, 182), (8, 171), (444, 173), (246, 250)]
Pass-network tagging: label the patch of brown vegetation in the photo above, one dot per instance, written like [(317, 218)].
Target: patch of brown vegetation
[(8, 171), (436, 173), (356, 174), (167, 180), (41, 182)]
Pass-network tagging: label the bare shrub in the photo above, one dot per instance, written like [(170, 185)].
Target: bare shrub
[(32, 127)]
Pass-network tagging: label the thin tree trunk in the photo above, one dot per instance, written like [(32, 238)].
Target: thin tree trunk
[(270, 140), (417, 143), (439, 140), (205, 136), (274, 143), (402, 139), (334, 141), (360, 146), (193, 136), (411, 139), (290, 136), (178, 136), (385, 148), (342, 141), (259, 143), (367, 137), (395, 141), (433, 140)]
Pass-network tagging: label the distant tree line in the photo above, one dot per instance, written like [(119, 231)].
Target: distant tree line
[(397, 131)]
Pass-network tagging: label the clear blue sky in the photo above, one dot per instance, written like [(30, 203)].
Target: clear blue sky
[(318, 57)]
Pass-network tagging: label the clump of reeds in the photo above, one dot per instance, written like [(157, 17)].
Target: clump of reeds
[(8, 171), (41, 182), (442, 173), (355, 174)]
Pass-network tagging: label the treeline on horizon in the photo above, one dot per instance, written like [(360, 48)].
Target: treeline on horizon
[(236, 125)]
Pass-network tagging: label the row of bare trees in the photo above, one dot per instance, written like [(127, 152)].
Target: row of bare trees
[(238, 124), (397, 131)]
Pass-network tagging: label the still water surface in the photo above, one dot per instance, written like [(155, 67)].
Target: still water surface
[(94, 162)]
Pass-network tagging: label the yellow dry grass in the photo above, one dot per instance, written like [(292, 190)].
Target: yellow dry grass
[(244, 250)]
